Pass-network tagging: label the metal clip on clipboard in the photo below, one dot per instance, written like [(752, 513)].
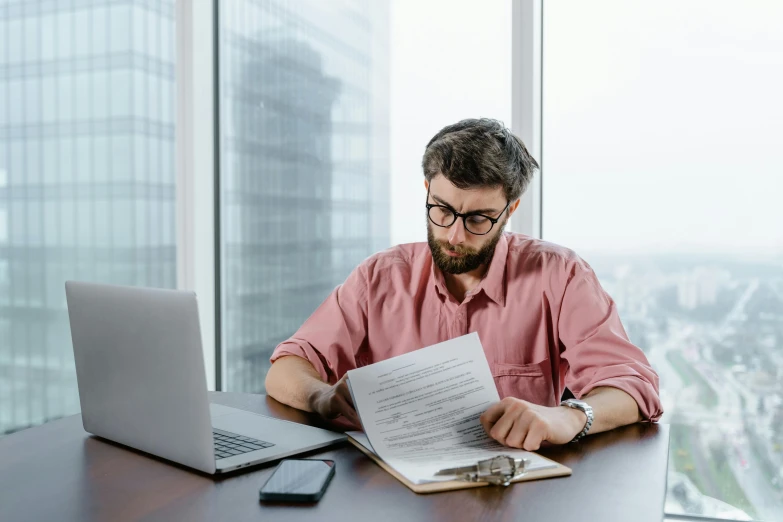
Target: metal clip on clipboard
[(499, 471)]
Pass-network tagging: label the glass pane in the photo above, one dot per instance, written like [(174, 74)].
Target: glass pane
[(307, 187), (440, 75), (69, 183), (295, 78), (662, 168)]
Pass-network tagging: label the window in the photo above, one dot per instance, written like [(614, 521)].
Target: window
[(49, 102), (308, 189), (32, 39), (15, 89), (470, 78), (120, 93), (121, 158), (120, 33), (285, 68), (661, 166), (48, 41), (82, 18), (83, 97), (4, 230), (65, 96), (100, 28), (65, 29), (70, 213), (32, 92)]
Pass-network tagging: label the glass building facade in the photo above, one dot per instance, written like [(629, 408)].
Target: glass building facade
[(304, 156), (86, 178)]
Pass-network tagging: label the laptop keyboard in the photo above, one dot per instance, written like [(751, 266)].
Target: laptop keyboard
[(228, 444)]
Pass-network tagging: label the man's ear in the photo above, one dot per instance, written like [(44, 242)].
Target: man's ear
[(426, 185), (513, 207)]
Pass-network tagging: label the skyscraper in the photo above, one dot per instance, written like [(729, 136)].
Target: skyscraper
[(86, 178), (304, 164), (87, 171)]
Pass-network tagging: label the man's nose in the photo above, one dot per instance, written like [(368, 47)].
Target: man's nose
[(457, 233)]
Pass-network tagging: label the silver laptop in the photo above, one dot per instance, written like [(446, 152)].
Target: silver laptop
[(142, 383)]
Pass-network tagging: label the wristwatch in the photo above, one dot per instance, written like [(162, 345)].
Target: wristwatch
[(583, 406)]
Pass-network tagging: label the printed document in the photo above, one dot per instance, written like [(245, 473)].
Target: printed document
[(420, 411)]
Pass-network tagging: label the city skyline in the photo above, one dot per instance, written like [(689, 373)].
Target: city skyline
[(720, 361)]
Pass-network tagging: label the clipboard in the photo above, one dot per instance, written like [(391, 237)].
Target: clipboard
[(451, 485)]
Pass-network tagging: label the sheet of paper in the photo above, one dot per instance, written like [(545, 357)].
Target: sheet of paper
[(422, 472), (420, 411)]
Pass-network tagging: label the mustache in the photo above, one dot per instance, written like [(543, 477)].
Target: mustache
[(462, 250)]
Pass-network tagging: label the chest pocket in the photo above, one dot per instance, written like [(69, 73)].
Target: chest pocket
[(529, 382)]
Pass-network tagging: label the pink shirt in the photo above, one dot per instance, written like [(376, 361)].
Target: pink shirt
[(543, 319)]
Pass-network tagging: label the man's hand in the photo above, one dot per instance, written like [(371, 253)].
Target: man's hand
[(332, 401), (294, 381), (521, 424)]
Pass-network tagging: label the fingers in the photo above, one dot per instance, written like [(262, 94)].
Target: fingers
[(536, 434), (492, 415), (346, 409), (343, 424), (344, 392), (514, 423), (342, 388), (519, 430), (506, 413), (502, 427)]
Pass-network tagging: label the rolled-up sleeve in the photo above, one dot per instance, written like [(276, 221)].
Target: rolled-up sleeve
[(335, 332), (596, 346)]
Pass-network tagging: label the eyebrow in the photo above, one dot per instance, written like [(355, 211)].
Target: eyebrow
[(479, 211)]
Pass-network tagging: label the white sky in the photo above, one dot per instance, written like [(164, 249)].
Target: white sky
[(663, 121), (450, 60)]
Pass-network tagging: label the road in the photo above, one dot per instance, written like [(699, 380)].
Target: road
[(727, 420)]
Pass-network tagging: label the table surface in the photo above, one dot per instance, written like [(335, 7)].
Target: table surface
[(59, 472)]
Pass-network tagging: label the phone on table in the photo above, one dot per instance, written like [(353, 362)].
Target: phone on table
[(298, 480)]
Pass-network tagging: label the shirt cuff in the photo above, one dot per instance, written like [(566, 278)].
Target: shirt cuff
[(304, 350), (645, 395)]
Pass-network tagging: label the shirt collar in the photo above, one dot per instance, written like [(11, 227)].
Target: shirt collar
[(493, 284)]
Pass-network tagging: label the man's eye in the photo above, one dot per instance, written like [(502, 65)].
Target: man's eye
[(477, 220)]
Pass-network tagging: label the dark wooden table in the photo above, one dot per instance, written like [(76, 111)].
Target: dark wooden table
[(59, 472)]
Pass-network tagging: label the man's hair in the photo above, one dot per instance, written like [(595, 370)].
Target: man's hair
[(480, 153)]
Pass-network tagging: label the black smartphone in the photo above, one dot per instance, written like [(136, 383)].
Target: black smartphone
[(298, 480)]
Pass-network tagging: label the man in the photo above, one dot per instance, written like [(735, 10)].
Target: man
[(544, 321)]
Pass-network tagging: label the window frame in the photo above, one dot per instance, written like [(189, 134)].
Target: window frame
[(527, 46), (197, 228)]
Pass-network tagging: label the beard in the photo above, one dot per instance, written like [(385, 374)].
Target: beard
[(470, 258)]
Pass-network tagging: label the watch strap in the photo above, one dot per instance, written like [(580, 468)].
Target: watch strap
[(586, 409)]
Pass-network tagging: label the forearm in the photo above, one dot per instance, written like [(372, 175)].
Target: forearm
[(612, 408), (293, 381)]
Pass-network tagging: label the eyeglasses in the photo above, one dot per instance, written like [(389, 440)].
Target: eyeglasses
[(477, 224)]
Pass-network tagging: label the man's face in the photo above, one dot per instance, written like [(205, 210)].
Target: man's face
[(454, 249)]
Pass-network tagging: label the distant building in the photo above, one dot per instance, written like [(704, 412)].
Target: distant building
[(86, 179), (700, 287), (304, 165)]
